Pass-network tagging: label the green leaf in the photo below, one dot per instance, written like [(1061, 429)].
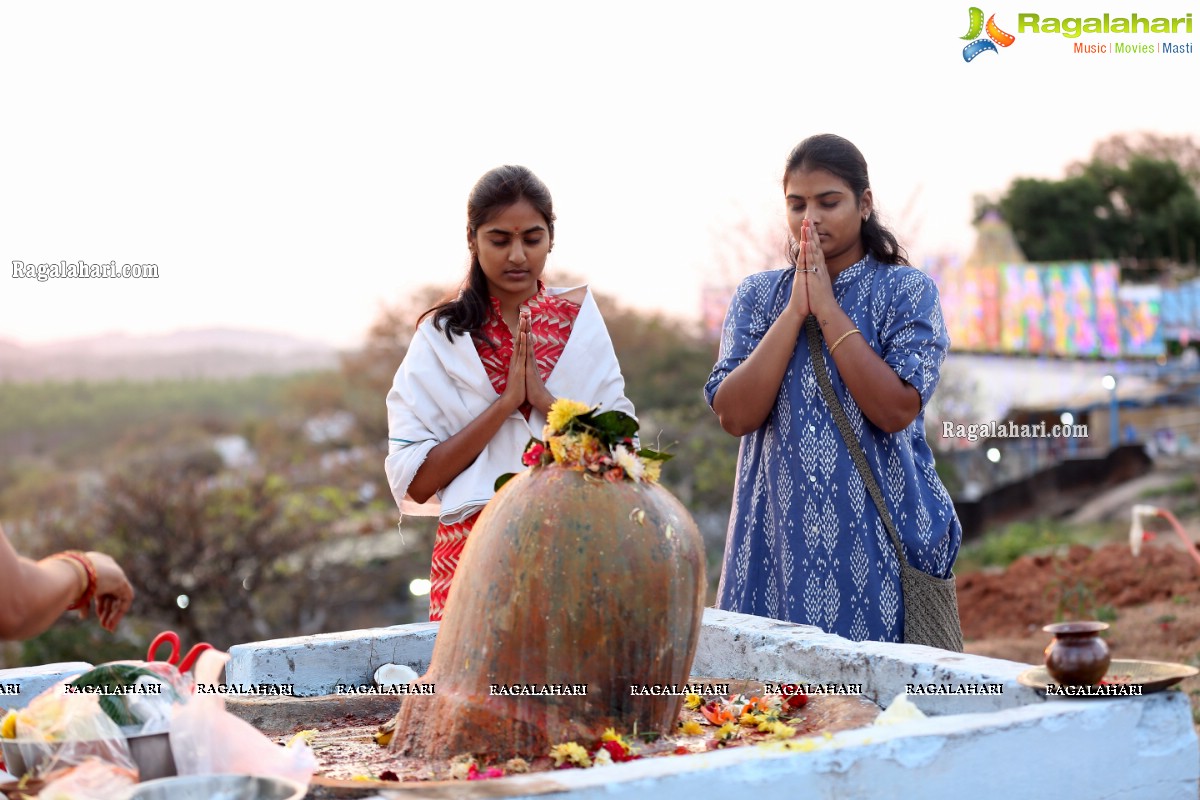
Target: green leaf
[(615, 426), (583, 422), (113, 676), (503, 479), (654, 455)]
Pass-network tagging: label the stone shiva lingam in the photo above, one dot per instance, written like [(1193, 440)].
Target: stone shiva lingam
[(582, 581)]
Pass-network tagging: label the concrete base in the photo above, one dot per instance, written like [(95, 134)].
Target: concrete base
[(1005, 743), (317, 665)]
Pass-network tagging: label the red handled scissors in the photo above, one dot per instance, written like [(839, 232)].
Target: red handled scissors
[(172, 638)]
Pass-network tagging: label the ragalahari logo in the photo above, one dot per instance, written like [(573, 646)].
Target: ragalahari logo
[(995, 36)]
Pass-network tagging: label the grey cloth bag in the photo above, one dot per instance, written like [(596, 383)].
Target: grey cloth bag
[(930, 604)]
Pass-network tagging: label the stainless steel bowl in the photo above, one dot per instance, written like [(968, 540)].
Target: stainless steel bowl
[(219, 787), (152, 754), (23, 756), (14, 762)]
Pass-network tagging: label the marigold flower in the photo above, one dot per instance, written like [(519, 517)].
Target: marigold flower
[(570, 753), (693, 701), (780, 731), (652, 470), (563, 411), (578, 438), (8, 728), (727, 732), (584, 448), (691, 728)]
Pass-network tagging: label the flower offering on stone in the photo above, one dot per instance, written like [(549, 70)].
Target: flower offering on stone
[(602, 444)]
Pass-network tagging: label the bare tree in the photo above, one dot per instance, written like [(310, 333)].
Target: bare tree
[(1120, 149), (219, 557)]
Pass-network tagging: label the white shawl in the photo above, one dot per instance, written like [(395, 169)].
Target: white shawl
[(442, 386)]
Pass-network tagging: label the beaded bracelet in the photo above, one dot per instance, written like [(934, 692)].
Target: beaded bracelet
[(89, 569)]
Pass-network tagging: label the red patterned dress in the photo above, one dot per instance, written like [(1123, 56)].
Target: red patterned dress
[(551, 318)]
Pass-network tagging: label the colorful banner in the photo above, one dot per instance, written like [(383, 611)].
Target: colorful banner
[(988, 281), (1180, 312), (1106, 278), (1071, 323), (1070, 310), (1023, 304), (1140, 331)]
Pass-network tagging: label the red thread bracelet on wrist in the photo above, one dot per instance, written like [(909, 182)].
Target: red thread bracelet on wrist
[(89, 569)]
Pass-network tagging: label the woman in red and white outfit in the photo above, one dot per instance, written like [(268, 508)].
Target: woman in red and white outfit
[(484, 368)]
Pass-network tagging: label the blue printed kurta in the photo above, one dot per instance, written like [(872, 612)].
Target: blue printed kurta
[(805, 542)]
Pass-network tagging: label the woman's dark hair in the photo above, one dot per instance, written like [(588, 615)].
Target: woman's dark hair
[(841, 158), (494, 192)]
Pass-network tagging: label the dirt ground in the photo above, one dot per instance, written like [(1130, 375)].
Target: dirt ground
[(1151, 603)]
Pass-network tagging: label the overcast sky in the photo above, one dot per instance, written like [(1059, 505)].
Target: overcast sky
[(297, 166)]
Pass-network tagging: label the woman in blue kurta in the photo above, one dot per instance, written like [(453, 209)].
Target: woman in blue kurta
[(805, 541)]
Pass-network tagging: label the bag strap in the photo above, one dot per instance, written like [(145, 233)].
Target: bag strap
[(843, 423)]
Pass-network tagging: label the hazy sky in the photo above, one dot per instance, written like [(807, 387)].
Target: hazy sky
[(297, 166)]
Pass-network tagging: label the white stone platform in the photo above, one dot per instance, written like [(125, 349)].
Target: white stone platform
[(20, 685), (1008, 744)]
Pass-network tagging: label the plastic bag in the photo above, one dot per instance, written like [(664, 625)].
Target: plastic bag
[(143, 693), (92, 780), (208, 740), (61, 728)]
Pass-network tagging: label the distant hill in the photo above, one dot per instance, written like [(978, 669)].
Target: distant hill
[(203, 353)]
